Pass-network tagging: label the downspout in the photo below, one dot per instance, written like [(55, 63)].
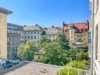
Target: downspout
[(92, 41)]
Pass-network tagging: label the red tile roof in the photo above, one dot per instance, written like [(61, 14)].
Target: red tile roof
[(77, 26)]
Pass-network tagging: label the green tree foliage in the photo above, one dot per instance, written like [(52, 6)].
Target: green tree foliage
[(43, 41), (61, 39), (54, 54), (65, 72), (79, 64), (27, 51)]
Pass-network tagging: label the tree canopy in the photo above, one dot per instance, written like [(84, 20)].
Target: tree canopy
[(43, 41), (27, 51), (54, 54), (61, 39)]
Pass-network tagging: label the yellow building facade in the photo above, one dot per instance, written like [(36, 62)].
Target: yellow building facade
[(77, 34), (3, 32)]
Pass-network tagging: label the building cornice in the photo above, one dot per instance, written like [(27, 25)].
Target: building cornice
[(5, 11)]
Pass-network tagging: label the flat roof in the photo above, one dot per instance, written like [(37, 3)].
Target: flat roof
[(5, 11)]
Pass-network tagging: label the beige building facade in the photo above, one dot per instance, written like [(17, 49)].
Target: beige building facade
[(3, 32), (94, 46)]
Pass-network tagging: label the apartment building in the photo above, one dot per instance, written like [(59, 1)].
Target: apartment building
[(13, 39), (77, 33), (94, 45), (3, 32), (52, 32), (31, 32)]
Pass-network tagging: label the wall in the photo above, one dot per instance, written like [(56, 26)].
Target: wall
[(3, 35)]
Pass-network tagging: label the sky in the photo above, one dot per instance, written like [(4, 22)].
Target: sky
[(47, 12)]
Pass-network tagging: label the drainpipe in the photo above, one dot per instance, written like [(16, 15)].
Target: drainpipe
[(92, 41)]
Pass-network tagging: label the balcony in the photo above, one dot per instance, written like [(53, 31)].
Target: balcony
[(97, 67)]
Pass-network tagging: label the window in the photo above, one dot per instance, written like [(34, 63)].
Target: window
[(25, 32), (10, 31), (38, 57), (25, 41), (21, 41), (89, 37), (28, 37), (97, 3), (16, 48), (7, 55), (38, 41), (25, 37), (84, 30), (31, 37), (84, 34), (34, 32), (31, 32), (28, 32), (96, 43), (34, 37), (22, 37), (49, 36), (84, 39), (38, 32), (12, 48), (80, 30)]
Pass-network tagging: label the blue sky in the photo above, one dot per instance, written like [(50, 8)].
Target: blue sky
[(46, 12)]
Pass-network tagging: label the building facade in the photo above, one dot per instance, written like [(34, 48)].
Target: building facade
[(13, 39), (3, 32), (31, 32), (94, 45), (77, 33), (52, 32)]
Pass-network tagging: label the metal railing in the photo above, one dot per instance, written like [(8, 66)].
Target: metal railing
[(73, 71)]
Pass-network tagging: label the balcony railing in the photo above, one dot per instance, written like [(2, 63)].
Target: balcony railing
[(97, 67)]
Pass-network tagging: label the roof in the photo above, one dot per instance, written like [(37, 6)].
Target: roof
[(5, 11), (52, 30), (26, 28), (34, 68), (77, 26), (14, 26), (41, 51)]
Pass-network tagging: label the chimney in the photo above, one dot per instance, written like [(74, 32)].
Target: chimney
[(63, 26), (25, 25), (87, 23), (53, 26), (43, 72), (36, 25)]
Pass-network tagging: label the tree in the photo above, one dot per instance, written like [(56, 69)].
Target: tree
[(54, 54), (43, 42), (27, 51), (65, 72), (79, 64), (61, 39)]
